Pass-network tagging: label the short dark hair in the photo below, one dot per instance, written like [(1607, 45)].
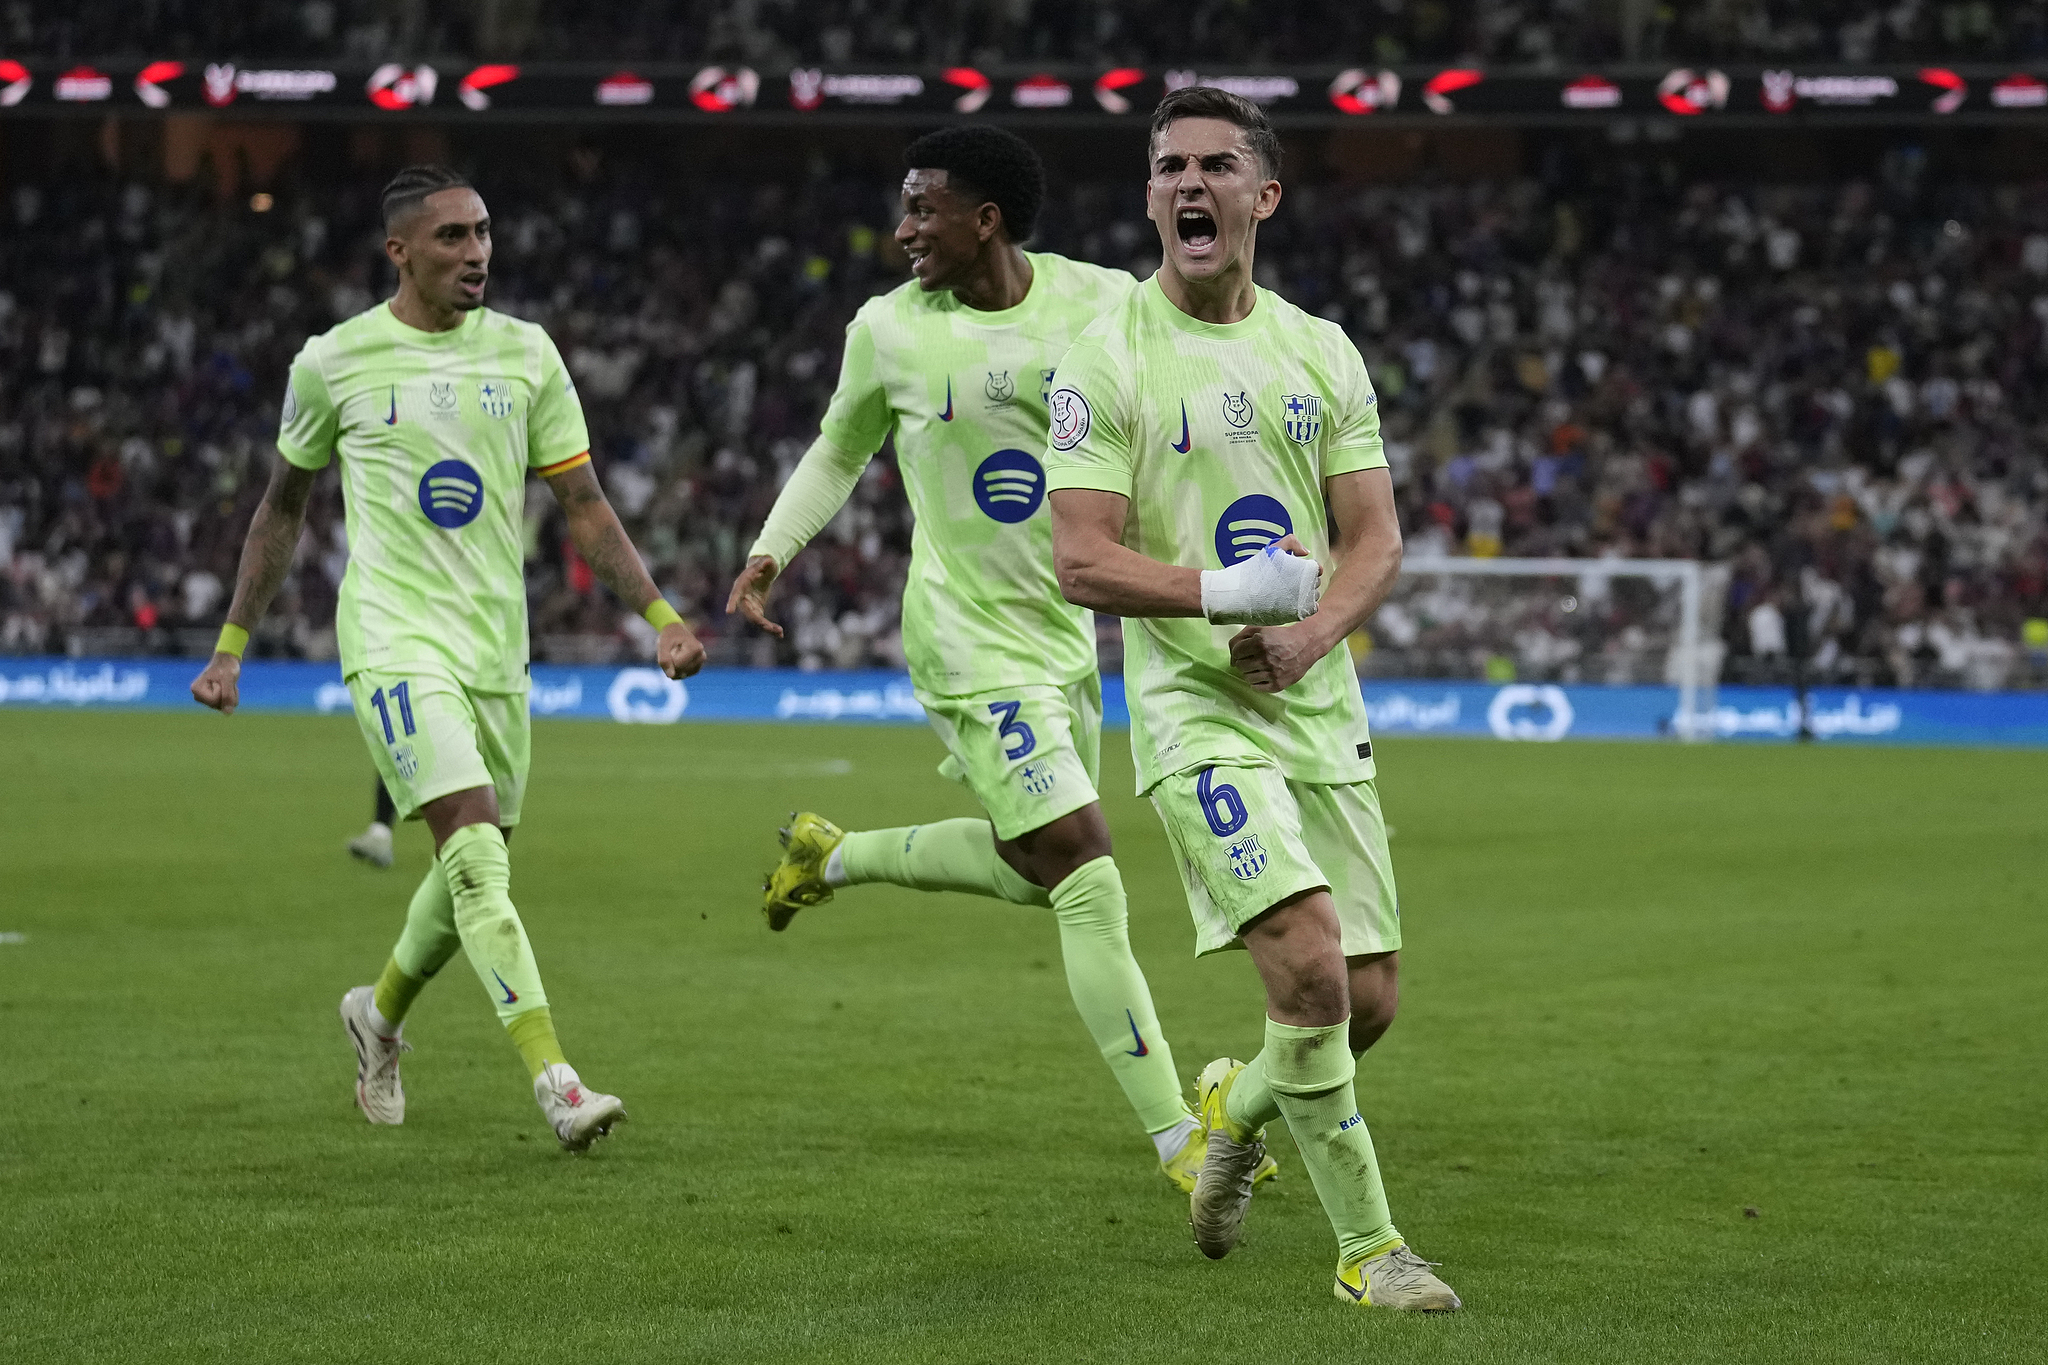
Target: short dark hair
[(992, 163), (1206, 101), (411, 186)]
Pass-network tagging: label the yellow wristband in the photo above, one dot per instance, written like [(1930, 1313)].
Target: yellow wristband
[(659, 613), (233, 640)]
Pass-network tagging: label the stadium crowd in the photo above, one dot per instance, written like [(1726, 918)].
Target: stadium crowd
[(1838, 391), (768, 33)]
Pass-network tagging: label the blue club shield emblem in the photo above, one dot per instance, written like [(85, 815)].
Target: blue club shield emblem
[(1302, 416), (1247, 859), (494, 397)]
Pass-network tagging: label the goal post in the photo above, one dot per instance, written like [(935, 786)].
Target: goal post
[(1642, 622)]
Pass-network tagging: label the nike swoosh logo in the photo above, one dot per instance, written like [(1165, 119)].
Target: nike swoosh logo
[(947, 415), (392, 420), (1356, 1294), (1141, 1050), (1183, 445), (512, 996)]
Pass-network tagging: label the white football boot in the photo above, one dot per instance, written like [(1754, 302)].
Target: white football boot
[(378, 1092), (373, 845), (578, 1114)]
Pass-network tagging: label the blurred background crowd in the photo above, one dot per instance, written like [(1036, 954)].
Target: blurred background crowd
[(1115, 32), (1833, 390)]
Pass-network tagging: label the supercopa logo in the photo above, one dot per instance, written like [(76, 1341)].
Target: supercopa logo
[(451, 494), (1248, 526), (1009, 486)]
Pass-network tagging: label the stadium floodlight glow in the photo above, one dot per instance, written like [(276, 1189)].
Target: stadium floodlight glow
[(1660, 637)]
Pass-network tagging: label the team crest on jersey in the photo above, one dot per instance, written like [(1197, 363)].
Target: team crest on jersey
[(441, 398), (1037, 778), (406, 761), (1045, 384), (1237, 410), (1247, 858), (1303, 416), (1000, 387), (494, 396)]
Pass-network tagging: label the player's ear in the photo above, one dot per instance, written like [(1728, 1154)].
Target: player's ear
[(988, 220), (1267, 201)]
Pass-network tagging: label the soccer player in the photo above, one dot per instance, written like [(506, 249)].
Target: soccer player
[(957, 362), (373, 845), (1204, 436), (438, 408)]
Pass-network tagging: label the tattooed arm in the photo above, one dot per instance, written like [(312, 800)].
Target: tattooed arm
[(604, 545), (266, 559)]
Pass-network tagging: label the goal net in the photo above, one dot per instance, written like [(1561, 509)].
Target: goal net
[(1562, 621)]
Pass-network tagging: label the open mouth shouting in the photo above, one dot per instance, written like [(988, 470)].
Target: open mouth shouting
[(1196, 228), (471, 282)]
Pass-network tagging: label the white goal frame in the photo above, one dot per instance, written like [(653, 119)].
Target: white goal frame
[(1693, 722)]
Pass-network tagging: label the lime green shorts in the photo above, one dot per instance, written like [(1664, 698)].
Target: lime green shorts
[(1029, 754), (1247, 838), (431, 736)]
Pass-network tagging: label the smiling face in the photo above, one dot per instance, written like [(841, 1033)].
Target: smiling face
[(1207, 196), (943, 231), (443, 249)]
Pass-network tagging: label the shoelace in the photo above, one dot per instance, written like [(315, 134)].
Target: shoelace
[(390, 1062), (1404, 1265)]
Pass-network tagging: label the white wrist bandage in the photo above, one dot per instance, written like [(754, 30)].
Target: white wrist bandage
[(1271, 588)]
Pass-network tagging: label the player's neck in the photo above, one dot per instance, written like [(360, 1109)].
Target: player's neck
[(1227, 298), (999, 280), (412, 310)]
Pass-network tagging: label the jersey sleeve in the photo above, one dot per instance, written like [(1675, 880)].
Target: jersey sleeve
[(1355, 443), (556, 437), (308, 424), (859, 416), (1088, 438)]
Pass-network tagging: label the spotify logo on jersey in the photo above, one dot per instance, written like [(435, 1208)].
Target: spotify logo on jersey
[(451, 494), (1249, 525), (1009, 485)]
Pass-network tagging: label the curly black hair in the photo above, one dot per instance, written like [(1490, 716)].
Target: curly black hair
[(411, 186), (990, 164)]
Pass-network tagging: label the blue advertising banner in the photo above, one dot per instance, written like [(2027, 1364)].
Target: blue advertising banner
[(1513, 711)]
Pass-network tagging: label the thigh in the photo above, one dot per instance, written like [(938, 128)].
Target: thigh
[(423, 734), (1016, 750), (504, 733), (1237, 840), (1343, 827)]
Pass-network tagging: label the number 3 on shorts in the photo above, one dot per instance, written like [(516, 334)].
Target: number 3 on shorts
[(1222, 807), (1016, 735)]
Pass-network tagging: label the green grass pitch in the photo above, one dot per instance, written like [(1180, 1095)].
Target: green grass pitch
[(1647, 991)]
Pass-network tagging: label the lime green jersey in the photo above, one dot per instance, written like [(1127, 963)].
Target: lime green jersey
[(964, 391), (1221, 437), (436, 432)]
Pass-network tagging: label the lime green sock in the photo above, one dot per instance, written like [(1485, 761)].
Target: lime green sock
[(396, 990), (533, 1033), (947, 855), (1310, 1071), (1250, 1103), (479, 873), (1110, 992), (429, 938)]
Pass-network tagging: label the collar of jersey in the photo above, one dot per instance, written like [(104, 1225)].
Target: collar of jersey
[(1005, 317), (1262, 308), (452, 337)]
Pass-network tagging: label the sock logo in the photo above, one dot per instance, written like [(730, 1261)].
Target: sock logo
[(1141, 1050), (1348, 1124), (511, 996)]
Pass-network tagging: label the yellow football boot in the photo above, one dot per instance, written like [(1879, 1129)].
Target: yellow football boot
[(799, 879), (1233, 1161), (1397, 1279)]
